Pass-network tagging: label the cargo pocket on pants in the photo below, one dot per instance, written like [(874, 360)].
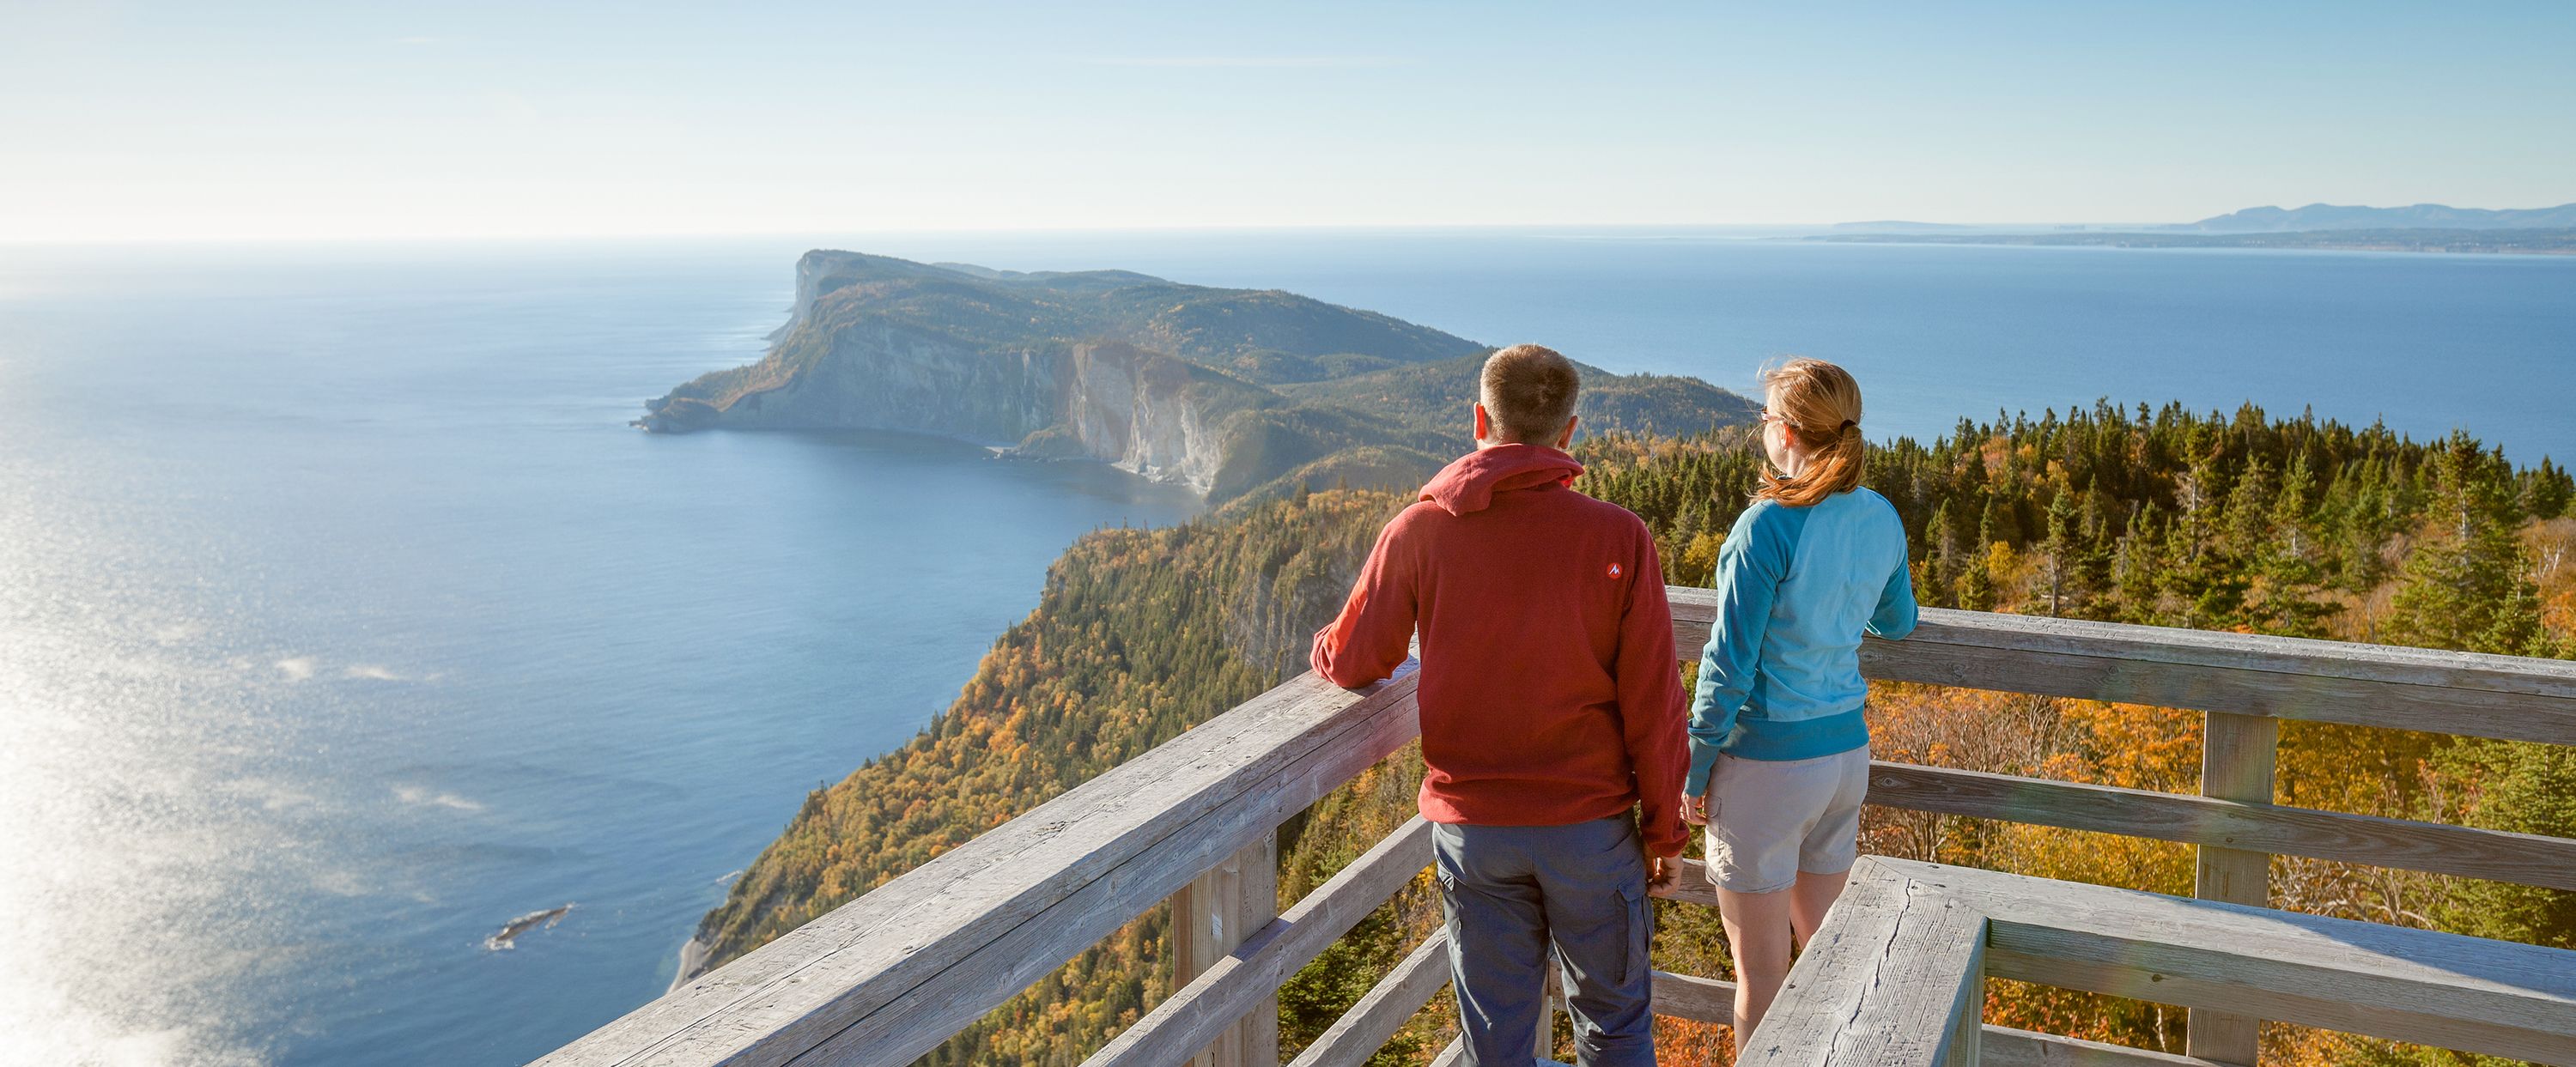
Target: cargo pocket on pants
[(1636, 941)]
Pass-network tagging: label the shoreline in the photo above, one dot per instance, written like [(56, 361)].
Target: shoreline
[(693, 957)]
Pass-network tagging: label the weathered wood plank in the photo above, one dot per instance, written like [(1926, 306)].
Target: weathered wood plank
[(1211, 916), (1365, 1029), (1693, 887), (1894, 977), (1453, 1055), (2007, 1047), (2527, 859), (1689, 996), (2237, 755), (951, 939), (1249, 976), (2445, 990), (1694, 608), (2250, 674), (1712, 1000)]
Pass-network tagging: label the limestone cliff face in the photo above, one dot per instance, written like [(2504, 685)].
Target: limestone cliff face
[(1147, 413), (875, 375)]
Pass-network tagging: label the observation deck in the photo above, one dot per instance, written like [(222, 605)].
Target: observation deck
[(1897, 972)]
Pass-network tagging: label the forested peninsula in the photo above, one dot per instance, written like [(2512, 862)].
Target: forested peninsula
[(1232, 392)]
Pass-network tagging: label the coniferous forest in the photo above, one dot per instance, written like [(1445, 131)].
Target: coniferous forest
[(2168, 517)]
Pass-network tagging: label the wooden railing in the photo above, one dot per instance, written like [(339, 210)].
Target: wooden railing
[(890, 976)]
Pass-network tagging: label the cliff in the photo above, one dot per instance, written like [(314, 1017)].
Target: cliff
[(1229, 391)]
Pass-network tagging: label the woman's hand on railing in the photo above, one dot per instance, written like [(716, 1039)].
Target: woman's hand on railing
[(1695, 810)]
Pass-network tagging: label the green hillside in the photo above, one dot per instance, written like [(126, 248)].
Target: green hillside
[(1435, 397)]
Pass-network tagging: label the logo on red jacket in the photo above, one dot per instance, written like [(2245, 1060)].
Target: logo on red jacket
[(1614, 570)]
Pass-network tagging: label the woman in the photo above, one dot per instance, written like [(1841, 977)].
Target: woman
[(1779, 748)]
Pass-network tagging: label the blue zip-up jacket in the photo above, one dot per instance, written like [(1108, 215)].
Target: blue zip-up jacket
[(1796, 587)]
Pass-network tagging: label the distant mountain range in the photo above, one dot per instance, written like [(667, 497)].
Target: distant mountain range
[(2407, 239), (2417, 216), (2417, 228)]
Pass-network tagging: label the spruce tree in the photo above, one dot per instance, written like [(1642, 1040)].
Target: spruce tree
[(2065, 583), (2248, 518), (1941, 563), (2528, 788), (1976, 585), (2287, 578), (2466, 586), (2547, 491)]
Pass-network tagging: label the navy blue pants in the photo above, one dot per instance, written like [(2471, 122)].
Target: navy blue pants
[(1510, 894)]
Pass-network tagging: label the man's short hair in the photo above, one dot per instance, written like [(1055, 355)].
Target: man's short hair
[(1528, 391)]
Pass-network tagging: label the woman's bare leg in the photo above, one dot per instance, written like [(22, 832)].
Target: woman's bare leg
[(1810, 898), (1757, 935), (1758, 931)]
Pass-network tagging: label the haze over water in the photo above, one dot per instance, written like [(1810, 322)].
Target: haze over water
[(342, 619)]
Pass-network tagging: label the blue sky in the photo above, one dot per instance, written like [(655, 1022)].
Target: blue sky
[(194, 120)]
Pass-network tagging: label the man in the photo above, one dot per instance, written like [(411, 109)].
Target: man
[(1551, 704)]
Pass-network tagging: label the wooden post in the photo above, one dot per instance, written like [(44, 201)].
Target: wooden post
[(1551, 999), (1211, 916), (2236, 759), (1968, 1014)]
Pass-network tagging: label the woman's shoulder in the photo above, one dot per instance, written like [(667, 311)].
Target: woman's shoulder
[(1765, 512), (1866, 509), (1769, 527), (1869, 498)]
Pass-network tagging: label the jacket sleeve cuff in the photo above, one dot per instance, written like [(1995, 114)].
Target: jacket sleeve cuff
[(1703, 760), (1669, 840)]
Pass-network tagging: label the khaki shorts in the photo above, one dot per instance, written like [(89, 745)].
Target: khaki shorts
[(1769, 820)]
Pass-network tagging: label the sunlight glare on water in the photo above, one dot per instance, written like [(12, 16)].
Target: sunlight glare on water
[(123, 815)]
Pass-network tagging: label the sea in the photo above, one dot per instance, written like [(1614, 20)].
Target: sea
[(344, 620)]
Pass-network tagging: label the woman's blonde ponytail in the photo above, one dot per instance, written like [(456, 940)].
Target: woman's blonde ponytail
[(1821, 404)]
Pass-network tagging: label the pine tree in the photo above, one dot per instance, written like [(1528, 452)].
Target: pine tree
[(1976, 584), (2200, 574), (2467, 586), (2548, 491), (2248, 517), (2060, 568), (2527, 788), (2363, 527), (2093, 561), (2287, 577), (1940, 562)]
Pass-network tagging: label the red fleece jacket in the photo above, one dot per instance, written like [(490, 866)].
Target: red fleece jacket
[(1549, 691)]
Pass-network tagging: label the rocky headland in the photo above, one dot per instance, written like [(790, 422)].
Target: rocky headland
[(1232, 392)]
